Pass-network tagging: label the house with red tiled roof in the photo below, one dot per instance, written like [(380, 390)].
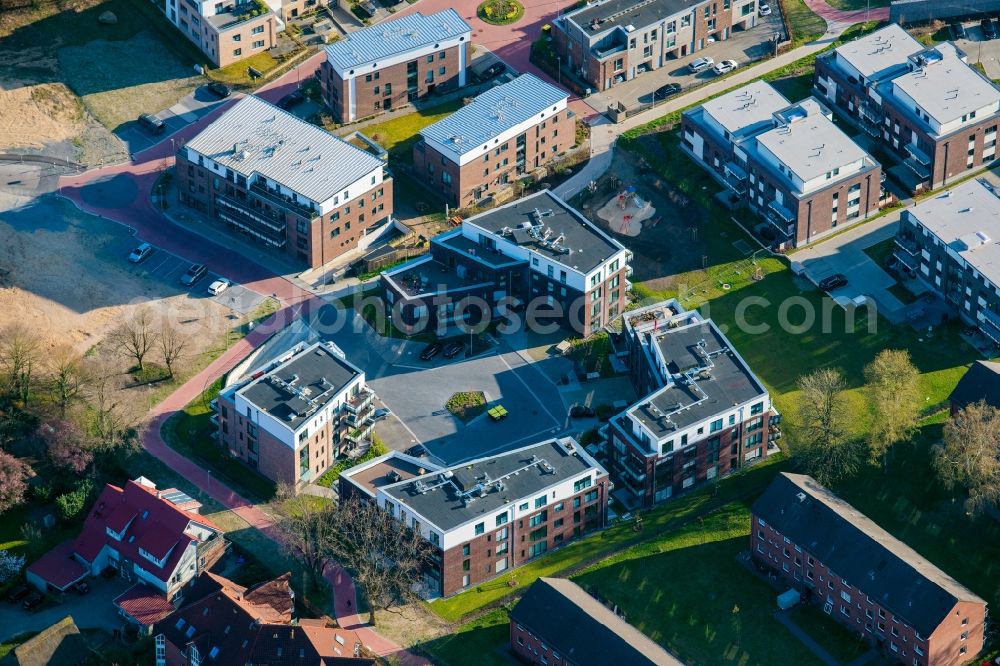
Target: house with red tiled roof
[(225, 623), (155, 538)]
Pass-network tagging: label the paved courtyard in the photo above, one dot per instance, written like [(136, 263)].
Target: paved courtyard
[(91, 611)]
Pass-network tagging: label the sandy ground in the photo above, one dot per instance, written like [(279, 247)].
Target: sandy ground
[(626, 220)]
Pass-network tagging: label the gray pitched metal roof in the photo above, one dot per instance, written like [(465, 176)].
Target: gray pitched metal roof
[(391, 38), (856, 549), (492, 113), (256, 137)]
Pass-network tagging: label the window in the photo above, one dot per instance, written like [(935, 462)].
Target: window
[(540, 502), (259, 44), (501, 519), (466, 550), (581, 484), (466, 565), (590, 497), (237, 38), (480, 528), (465, 580), (558, 507), (538, 519), (441, 71), (237, 52), (523, 507), (619, 64), (257, 30)]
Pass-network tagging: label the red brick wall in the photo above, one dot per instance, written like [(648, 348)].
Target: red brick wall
[(531, 648)]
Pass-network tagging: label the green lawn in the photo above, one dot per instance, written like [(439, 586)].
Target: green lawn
[(8, 646), (486, 637), (236, 73), (401, 132), (806, 26), (842, 644), (852, 5)]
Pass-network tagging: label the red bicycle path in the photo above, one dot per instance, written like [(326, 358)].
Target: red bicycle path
[(834, 16)]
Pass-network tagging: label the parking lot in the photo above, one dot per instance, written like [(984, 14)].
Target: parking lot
[(180, 115), (162, 265), (743, 47), (980, 49)]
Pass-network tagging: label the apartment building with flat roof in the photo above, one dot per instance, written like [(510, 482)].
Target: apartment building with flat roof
[(937, 113), (479, 151), (227, 31), (789, 162), (863, 577), (388, 65), (950, 243), (297, 415), (492, 514), (610, 42), (288, 185), (703, 413), (537, 253)]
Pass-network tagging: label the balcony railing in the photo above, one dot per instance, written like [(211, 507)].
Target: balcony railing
[(628, 271), (600, 54), (908, 244), (358, 417), (907, 259), (990, 325), (358, 435), (781, 212), (282, 201), (361, 401), (628, 285), (255, 223)]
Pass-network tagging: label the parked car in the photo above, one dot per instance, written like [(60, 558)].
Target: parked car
[(666, 91), (18, 593), (430, 351), (417, 451), (140, 253), (219, 286), (151, 123), (380, 414), (833, 282), (195, 273), (32, 601), (292, 99), (701, 64), (454, 349), (989, 28), (368, 8), (725, 66), (494, 70), (81, 587), (582, 412), (764, 8), (958, 30), (219, 89)]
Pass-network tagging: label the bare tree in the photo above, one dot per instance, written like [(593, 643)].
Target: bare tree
[(136, 336), (19, 353), (110, 425), (970, 455), (66, 377), (385, 557), (822, 443), (893, 386), (306, 531), (172, 343)]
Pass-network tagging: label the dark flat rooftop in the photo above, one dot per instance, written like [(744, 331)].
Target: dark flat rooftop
[(490, 483), (428, 276), (297, 388), (389, 471), (478, 252), (719, 379), (556, 231), (637, 13)]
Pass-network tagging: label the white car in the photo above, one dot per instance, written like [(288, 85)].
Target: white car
[(764, 8), (725, 66), (140, 253), (219, 286), (700, 65)]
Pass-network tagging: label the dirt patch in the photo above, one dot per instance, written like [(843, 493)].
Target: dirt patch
[(410, 625)]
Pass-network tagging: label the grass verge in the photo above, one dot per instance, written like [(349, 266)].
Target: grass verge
[(805, 24), (466, 405)]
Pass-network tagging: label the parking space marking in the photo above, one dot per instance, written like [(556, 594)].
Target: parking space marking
[(157, 267), (526, 386)]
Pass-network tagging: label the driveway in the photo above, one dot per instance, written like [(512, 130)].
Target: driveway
[(192, 107), (91, 611), (743, 47), (845, 254)]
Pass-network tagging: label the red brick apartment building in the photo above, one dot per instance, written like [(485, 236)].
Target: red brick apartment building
[(489, 515), (227, 31), (607, 43), (296, 416), (790, 163), (225, 623), (557, 623), (703, 413), (936, 113), (537, 251), (864, 577), (393, 63), (479, 151), (286, 184)]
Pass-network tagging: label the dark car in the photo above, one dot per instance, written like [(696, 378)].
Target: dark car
[(958, 30), (152, 124), (430, 351), (292, 100), (832, 282), (18, 593), (32, 601), (494, 70), (666, 91), (417, 451), (81, 587), (454, 349), (195, 273), (582, 412), (380, 414), (219, 89), (989, 28), (368, 8)]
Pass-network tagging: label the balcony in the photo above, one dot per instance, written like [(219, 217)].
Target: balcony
[(736, 178), (600, 54), (781, 213), (215, 420), (628, 285), (990, 325), (908, 260), (361, 401), (628, 271), (358, 417), (358, 435), (257, 224), (214, 405), (909, 244), (282, 201)]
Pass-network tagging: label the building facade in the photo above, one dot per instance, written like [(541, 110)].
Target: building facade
[(789, 163), (535, 258), (948, 243), (703, 414), (936, 113), (872, 583), (389, 65), (609, 42), (489, 515), (229, 31), (479, 151), (286, 184), (296, 416)]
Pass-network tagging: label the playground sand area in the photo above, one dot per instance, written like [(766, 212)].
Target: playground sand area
[(627, 212)]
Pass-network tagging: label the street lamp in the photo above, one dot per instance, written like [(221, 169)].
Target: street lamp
[(559, 69)]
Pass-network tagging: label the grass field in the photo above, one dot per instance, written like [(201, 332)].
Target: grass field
[(853, 5), (806, 26), (485, 637), (236, 73), (841, 644), (400, 133)]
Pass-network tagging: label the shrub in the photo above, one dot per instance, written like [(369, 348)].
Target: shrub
[(72, 503)]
